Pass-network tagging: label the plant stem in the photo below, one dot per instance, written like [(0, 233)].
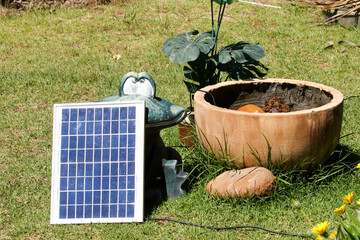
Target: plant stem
[(217, 29), (212, 18), (219, 20)]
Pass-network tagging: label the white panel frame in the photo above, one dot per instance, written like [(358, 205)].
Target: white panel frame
[(139, 163)]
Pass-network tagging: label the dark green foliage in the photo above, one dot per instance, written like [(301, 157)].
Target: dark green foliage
[(183, 48), (239, 61), (205, 63)]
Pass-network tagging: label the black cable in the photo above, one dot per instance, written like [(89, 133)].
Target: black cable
[(346, 135), (350, 97), (212, 96), (229, 228)]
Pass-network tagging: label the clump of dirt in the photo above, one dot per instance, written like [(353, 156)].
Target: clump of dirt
[(275, 105)]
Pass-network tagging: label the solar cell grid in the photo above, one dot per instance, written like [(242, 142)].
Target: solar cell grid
[(97, 173)]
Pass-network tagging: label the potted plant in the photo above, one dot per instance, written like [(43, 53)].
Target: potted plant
[(303, 137), (205, 62)]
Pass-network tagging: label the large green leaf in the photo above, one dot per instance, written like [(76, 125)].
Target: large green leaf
[(255, 51), (243, 71), (241, 52), (184, 48), (205, 42), (225, 56), (202, 36), (171, 43), (190, 52), (239, 56)]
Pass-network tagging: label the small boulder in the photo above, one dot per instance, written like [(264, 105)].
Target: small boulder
[(253, 181)]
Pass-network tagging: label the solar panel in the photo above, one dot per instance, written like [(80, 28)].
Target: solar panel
[(97, 165)]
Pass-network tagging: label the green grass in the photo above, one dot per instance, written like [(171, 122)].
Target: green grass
[(65, 55)]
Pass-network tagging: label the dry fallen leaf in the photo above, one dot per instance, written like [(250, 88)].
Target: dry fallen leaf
[(349, 43), (331, 45)]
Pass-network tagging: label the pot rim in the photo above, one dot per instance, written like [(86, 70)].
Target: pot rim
[(337, 99)]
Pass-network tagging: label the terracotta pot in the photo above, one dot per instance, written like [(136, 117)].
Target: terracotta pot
[(298, 138)]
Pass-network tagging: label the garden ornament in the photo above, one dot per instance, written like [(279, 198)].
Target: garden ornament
[(162, 178)]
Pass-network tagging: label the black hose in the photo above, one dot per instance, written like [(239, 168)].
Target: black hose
[(229, 228)]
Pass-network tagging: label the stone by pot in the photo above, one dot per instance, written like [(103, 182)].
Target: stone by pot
[(304, 137), (254, 181)]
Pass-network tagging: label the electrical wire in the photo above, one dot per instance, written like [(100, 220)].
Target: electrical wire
[(229, 228), (212, 96), (346, 135), (350, 97)]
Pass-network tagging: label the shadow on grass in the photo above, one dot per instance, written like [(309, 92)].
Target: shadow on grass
[(204, 166), (343, 160)]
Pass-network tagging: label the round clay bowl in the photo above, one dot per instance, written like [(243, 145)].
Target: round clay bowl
[(304, 137)]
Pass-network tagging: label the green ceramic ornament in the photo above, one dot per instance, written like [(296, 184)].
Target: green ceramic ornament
[(162, 176), (160, 113)]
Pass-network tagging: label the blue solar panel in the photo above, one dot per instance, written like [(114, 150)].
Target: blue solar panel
[(97, 173)]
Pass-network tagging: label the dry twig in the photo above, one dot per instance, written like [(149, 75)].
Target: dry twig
[(349, 6)]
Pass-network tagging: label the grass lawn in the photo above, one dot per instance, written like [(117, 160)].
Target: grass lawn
[(66, 55)]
